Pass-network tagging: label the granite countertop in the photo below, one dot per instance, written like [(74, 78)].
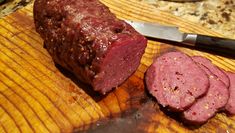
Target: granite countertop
[(9, 6), (218, 15)]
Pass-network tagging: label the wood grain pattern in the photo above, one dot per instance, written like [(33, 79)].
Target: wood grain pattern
[(36, 96)]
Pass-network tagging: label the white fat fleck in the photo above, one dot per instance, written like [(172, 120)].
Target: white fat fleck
[(40, 28), (67, 29), (211, 76), (164, 88), (69, 9), (206, 106), (78, 17), (114, 37), (104, 46), (86, 27), (189, 99)]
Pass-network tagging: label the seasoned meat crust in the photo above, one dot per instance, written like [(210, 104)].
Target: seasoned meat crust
[(84, 37)]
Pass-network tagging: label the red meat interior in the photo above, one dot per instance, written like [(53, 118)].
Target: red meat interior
[(122, 59)]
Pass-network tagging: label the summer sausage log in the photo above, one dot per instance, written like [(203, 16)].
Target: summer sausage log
[(207, 106), (84, 37), (214, 69), (176, 81)]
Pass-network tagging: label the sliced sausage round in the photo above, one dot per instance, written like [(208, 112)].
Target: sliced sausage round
[(207, 106), (176, 81), (214, 69), (230, 107)]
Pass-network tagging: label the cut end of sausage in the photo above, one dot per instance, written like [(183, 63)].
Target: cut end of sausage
[(176, 81), (207, 106), (122, 59)]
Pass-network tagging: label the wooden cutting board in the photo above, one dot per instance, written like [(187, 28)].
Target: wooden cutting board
[(37, 96)]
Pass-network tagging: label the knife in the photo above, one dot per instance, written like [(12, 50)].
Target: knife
[(171, 33)]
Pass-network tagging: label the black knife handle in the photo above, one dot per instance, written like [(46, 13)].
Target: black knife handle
[(216, 44)]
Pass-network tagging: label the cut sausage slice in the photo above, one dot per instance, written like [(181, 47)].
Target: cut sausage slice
[(207, 106), (214, 69), (230, 107), (176, 81)]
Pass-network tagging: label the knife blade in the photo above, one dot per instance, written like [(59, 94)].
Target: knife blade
[(171, 33)]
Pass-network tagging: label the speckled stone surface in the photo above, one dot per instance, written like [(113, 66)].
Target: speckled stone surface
[(9, 6), (218, 15)]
